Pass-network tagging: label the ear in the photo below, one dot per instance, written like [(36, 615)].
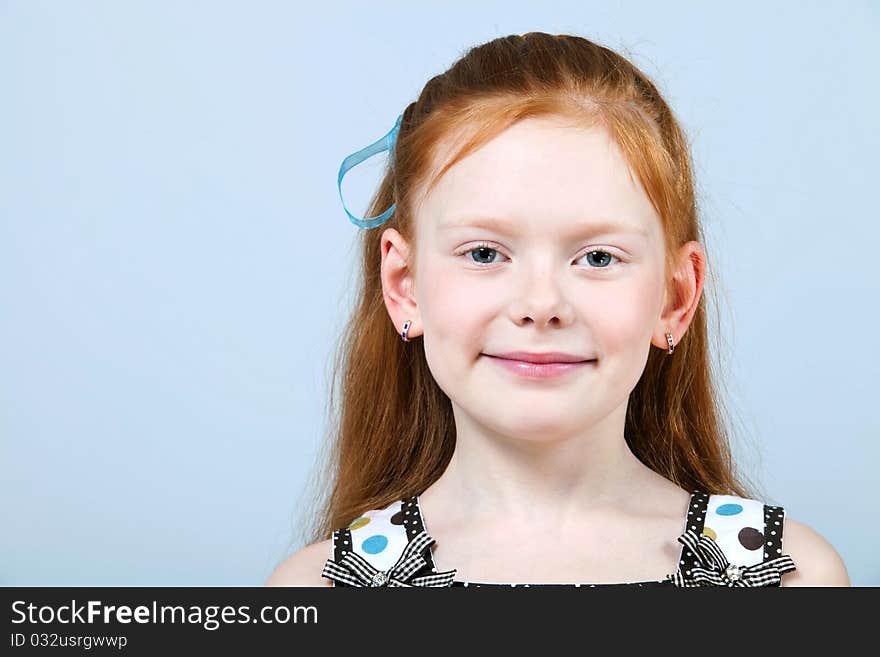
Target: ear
[(682, 294), (398, 282)]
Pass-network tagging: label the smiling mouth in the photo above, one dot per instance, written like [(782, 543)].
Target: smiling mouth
[(526, 370), (528, 362)]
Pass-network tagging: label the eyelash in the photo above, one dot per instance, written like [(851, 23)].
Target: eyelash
[(484, 245)]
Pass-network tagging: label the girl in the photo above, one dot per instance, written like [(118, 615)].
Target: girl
[(540, 408)]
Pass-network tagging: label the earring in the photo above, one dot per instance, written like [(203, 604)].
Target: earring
[(405, 329), (669, 340)]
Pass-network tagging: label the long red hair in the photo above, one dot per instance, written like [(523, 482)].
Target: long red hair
[(391, 430)]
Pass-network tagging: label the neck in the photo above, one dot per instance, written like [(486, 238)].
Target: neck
[(550, 476)]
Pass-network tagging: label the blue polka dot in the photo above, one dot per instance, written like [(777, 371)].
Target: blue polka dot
[(729, 509), (375, 544)]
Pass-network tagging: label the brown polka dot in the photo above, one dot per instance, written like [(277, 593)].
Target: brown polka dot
[(708, 531), (397, 518), (750, 538), (360, 522)]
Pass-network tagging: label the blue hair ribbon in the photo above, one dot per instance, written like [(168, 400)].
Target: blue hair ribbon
[(382, 144)]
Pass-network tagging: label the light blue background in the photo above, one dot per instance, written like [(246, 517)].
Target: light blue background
[(175, 262)]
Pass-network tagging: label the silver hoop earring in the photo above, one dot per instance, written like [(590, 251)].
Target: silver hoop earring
[(405, 329), (669, 340)]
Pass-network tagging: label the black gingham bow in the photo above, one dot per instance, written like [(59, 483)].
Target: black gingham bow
[(357, 571), (721, 572)]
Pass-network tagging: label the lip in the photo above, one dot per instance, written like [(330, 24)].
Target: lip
[(540, 371), (545, 357)]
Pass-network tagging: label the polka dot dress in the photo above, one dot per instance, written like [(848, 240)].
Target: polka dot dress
[(746, 531)]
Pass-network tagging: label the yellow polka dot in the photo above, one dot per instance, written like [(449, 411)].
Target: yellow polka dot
[(708, 531), (360, 522)]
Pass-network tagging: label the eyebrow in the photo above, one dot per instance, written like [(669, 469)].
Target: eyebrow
[(502, 226)]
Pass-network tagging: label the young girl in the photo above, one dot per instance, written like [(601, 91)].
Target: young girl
[(540, 408)]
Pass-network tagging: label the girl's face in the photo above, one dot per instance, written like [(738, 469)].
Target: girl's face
[(539, 241)]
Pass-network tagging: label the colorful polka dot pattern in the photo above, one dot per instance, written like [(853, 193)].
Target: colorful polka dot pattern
[(746, 530), (736, 524), (376, 536)]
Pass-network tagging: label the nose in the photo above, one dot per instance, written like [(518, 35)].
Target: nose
[(542, 300)]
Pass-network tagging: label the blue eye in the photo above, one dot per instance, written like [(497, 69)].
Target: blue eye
[(487, 249), (604, 253), (483, 248)]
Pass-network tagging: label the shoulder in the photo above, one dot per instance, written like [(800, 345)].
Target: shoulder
[(818, 563), (303, 568), (749, 531), (377, 535)]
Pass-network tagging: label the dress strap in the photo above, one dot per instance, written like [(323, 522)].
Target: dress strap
[(740, 544), (414, 524), (380, 536), (341, 544), (696, 521), (774, 517)]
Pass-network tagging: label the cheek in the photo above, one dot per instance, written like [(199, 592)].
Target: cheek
[(626, 321), (453, 311)]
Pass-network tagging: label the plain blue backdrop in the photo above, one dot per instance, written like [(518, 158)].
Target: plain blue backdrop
[(176, 265)]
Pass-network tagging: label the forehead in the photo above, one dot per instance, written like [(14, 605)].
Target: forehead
[(540, 173)]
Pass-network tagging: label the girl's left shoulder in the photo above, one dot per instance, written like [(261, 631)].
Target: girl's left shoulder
[(818, 563), (737, 521), (738, 541)]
